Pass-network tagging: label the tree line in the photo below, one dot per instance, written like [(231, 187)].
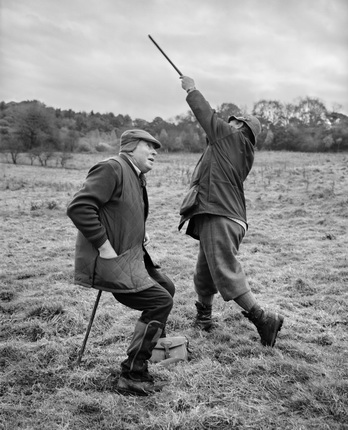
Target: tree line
[(38, 130)]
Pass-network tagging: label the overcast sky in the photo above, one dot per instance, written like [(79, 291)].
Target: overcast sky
[(96, 55)]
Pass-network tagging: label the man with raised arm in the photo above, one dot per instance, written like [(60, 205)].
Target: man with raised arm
[(215, 210)]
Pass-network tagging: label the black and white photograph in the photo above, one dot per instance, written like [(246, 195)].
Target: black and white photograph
[(174, 215)]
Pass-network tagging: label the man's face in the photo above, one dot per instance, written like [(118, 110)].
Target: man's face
[(144, 155), (236, 124)]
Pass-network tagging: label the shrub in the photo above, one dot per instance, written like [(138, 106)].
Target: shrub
[(84, 146), (104, 147)]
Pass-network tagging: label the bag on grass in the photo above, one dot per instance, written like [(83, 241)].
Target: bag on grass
[(170, 350)]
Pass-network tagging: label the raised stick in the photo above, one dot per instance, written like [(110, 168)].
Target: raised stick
[(166, 56)]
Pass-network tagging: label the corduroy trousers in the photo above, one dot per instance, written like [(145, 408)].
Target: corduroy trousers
[(217, 268)]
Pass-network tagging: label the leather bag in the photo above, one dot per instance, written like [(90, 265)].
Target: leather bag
[(170, 350)]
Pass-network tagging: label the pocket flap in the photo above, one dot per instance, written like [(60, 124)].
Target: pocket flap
[(171, 342)]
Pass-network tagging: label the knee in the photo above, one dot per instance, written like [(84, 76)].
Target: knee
[(164, 307), (170, 302), (163, 300), (162, 279), (167, 304), (170, 287), (168, 284)]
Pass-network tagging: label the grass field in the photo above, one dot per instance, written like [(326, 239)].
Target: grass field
[(295, 256)]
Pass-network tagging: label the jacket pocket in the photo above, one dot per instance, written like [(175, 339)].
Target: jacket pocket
[(125, 273), (190, 201)]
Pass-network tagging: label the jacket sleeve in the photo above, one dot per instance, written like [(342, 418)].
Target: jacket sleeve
[(84, 209), (213, 126)]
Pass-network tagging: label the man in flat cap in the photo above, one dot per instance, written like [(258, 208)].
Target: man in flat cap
[(110, 212)]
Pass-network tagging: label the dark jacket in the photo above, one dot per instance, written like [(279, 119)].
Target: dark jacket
[(111, 206), (223, 167)]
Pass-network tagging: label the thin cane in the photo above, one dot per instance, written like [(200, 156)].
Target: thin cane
[(88, 328), (161, 50)]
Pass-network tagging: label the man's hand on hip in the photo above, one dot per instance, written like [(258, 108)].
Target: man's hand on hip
[(107, 251)]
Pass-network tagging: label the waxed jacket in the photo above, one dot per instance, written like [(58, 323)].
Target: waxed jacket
[(223, 167), (111, 205)]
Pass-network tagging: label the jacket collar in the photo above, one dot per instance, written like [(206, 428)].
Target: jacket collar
[(130, 162)]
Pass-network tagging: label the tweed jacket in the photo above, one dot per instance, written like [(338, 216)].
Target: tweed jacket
[(217, 182), (110, 205)]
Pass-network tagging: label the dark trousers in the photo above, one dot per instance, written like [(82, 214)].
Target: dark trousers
[(155, 302)]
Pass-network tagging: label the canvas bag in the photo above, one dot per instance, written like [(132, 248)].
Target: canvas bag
[(170, 350)]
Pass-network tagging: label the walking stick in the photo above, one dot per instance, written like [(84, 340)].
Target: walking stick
[(165, 56), (82, 350)]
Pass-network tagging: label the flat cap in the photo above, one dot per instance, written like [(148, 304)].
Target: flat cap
[(131, 138)]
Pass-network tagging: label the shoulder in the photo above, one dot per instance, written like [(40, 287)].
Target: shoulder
[(115, 163), (108, 168), (114, 160)]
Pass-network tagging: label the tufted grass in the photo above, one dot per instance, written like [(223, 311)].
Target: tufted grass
[(295, 256)]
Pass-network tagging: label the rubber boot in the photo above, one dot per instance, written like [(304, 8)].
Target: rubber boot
[(268, 324), (135, 378), (203, 318)]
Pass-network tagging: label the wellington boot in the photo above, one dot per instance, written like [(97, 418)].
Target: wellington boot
[(268, 324), (135, 377), (203, 318)]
